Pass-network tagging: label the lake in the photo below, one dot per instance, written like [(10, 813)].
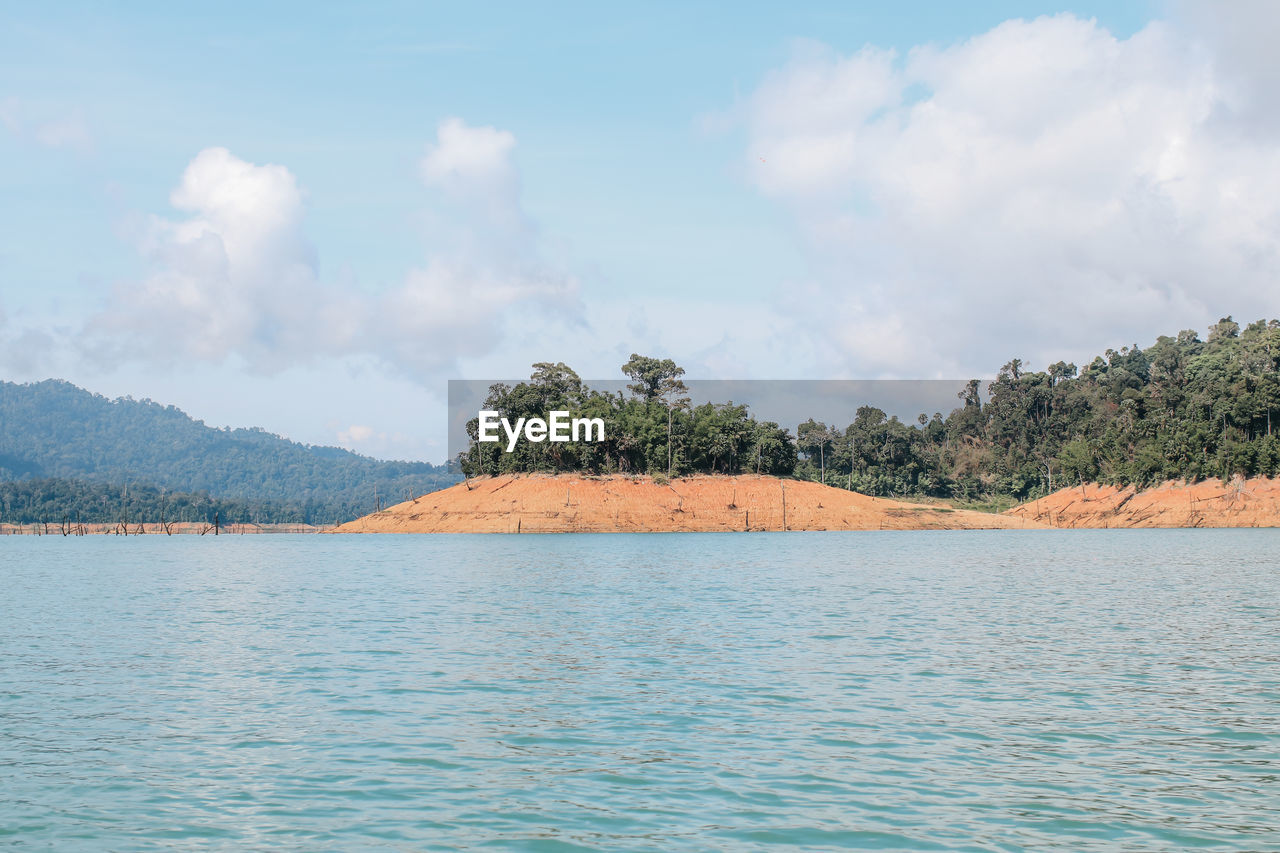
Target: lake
[(964, 690)]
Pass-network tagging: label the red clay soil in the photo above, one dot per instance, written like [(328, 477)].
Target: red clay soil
[(1210, 503), (578, 504)]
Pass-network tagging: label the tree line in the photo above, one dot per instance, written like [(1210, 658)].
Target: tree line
[(74, 502), (651, 429), (1181, 409), (54, 431)]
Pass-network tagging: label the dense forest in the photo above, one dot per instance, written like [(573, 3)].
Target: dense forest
[(1183, 408), (54, 501), (652, 429), (54, 431)]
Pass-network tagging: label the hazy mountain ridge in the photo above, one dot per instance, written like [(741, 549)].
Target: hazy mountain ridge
[(54, 429)]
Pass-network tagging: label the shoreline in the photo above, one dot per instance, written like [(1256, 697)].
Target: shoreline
[(618, 503), (1236, 503), (575, 503), (153, 528)]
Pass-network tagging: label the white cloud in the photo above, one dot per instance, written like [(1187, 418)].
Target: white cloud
[(462, 302), (1241, 36), (1041, 190), (237, 278), (414, 443), (355, 434), (465, 160), (455, 309)]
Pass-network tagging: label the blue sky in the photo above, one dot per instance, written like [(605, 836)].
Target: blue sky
[(738, 186), (606, 104)]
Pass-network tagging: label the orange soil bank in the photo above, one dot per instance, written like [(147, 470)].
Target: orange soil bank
[(1210, 503), (580, 504)]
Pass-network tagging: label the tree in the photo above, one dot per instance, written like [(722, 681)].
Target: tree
[(659, 380), (1059, 371), (1224, 330), (775, 452), (815, 437), (560, 385), (653, 378)]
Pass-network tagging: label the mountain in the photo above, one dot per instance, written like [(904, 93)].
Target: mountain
[(55, 430)]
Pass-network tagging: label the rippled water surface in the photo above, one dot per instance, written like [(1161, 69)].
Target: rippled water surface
[(1001, 690)]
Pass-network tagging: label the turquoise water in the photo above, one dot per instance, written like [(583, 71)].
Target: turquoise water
[(999, 690)]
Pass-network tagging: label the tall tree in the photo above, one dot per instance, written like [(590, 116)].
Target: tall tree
[(658, 380), (815, 437)]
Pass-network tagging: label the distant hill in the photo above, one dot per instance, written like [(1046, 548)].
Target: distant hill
[(55, 430)]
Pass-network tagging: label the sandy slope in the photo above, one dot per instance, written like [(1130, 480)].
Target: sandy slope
[(573, 503), (1211, 503)]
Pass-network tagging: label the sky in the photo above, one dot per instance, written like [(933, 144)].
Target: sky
[(309, 217)]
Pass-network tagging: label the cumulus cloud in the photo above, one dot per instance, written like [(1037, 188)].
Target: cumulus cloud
[(236, 277), (471, 161), (473, 170), (460, 303), (1040, 190)]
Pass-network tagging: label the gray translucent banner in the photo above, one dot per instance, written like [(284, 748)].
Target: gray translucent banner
[(789, 402)]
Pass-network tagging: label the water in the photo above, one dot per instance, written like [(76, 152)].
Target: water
[(998, 690)]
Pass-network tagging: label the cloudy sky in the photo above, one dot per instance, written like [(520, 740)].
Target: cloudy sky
[(310, 218)]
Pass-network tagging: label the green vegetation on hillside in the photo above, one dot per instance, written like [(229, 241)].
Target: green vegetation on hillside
[(1182, 408), (53, 501), (54, 430)]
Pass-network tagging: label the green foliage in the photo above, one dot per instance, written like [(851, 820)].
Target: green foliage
[(55, 501), (654, 430), (55, 430), (654, 379), (1180, 409)]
